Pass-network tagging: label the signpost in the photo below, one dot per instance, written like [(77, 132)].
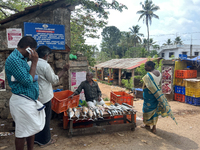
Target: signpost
[(50, 35)]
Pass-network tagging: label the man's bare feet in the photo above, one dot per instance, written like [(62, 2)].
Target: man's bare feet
[(153, 130), (145, 126)]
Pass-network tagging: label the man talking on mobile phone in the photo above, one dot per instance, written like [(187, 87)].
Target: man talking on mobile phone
[(27, 112)]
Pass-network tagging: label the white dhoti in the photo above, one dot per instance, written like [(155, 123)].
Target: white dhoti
[(95, 103), (29, 116)]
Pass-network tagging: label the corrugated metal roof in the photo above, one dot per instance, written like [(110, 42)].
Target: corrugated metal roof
[(29, 10), (127, 63)]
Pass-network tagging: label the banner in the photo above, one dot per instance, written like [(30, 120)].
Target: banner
[(166, 82), (76, 79), (13, 37), (2, 81)]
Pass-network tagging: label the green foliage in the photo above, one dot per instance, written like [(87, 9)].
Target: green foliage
[(178, 40), (153, 53), (141, 72), (85, 21), (110, 38), (106, 99), (135, 35), (172, 57), (102, 57), (104, 82), (128, 83)]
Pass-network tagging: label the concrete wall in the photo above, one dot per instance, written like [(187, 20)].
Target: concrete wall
[(178, 50), (57, 59)]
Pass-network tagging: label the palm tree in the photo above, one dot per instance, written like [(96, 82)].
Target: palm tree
[(178, 40), (146, 43), (136, 35), (151, 42), (169, 42), (148, 13)]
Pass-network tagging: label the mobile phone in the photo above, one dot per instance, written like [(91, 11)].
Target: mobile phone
[(29, 50)]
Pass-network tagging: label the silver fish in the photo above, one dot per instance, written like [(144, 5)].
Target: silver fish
[(74, 109), (70, 114), (97, 112), (69, 109), (90, 114), (85, 111), (113, 112), (108, 111), (101, 114), (95, 115), (77, 114)]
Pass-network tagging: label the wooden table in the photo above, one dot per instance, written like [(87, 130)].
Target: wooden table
[(99, 128)]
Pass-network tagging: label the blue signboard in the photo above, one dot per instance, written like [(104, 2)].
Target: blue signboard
[(50, 35)]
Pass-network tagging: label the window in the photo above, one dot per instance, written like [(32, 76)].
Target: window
[(170, 54), (196, 53), (184, 53), (163, 55)]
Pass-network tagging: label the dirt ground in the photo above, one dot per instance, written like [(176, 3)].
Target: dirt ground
[(184, 136)]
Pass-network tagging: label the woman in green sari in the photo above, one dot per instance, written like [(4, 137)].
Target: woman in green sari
[(155, 102)]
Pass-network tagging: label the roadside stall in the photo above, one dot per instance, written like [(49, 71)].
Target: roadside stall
[(118, 115)]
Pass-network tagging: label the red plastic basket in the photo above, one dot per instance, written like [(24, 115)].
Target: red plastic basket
[(179, 97), (61, 103), (184, 74), (121, 97)]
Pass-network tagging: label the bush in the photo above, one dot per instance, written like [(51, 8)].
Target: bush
[(128, 83)]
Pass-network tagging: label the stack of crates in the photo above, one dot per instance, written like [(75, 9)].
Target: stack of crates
[(180, 83), (192, 91)]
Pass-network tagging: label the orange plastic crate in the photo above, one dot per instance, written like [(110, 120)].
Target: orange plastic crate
[(122, 121), (61, 103), (179, 97), (185, 74), (121, 97)]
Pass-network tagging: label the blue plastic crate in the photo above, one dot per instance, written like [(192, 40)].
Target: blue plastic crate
[(192, 100), (180, 90), (196, 101), (189, 100)]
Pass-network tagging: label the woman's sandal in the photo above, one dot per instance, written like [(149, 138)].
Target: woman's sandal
[(52, 141)]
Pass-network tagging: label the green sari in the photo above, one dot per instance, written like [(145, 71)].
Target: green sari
[(155, 102)]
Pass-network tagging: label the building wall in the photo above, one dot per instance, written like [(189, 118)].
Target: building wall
[(57, 59), (178, 50)]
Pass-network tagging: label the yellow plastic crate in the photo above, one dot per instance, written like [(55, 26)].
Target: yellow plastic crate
[(179, 82), (193, 92), (192, 83)]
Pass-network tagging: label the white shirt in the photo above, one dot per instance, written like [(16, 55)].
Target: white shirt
[(46, 77), (157, 79)]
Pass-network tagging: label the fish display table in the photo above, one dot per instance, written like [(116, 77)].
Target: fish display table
[(104, 125)]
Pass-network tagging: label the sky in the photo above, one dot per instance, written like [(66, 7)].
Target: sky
[(176, 18)]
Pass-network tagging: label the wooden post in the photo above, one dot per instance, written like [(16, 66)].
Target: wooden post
[(110, 74), (96, 76), (102, 70), (133, 72), (120, 74)]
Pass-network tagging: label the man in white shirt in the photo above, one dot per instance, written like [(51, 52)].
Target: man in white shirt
[(46, 77)]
